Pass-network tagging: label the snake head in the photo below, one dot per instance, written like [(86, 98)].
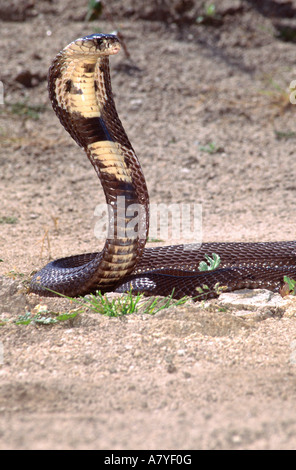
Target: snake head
[(104, 44)]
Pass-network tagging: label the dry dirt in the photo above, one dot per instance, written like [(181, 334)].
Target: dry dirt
[(193, 377)]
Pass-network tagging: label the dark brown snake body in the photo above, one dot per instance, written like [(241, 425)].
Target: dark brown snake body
[(80, 92)]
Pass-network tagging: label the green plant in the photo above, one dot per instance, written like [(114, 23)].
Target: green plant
[(15, 274), (211, 147), (158, 304), (22, 108), (43, 316), (8, 220), (205, 290), (94, 11), (211, 264), (99, 303), (209, 11), (286, 33), (28, 318), (126, 304), (291, 285), (279, 97), (130, 302), (154, 240), (285, 134), (209, 16)]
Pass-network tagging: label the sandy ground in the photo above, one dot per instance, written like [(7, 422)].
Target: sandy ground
[(207, 109)]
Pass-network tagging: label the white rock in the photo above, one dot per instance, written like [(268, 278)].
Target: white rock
[(250, 299)]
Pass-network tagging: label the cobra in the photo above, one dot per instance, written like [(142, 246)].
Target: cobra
[(81, 95)]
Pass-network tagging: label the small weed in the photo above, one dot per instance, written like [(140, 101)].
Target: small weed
[(42, 316), (205, 290), (211, 148), (211, 264), (223, 309), (28, 318), (95, 8), (23, 109), (209, 11), (99, 303), (209, 16), (286, 33), (285, 135), (8, 220), (125, 304), (130, 303), (289, 287), (278, 96), (158, 304), (15, 274), (154, 240), (45, 240), (68, 315)]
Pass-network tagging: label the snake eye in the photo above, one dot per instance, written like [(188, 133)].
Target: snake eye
[(104, 44)]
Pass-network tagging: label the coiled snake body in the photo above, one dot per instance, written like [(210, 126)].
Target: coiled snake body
[(80, 92)]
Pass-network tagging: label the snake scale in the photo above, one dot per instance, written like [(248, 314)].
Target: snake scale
[(80, 92)]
